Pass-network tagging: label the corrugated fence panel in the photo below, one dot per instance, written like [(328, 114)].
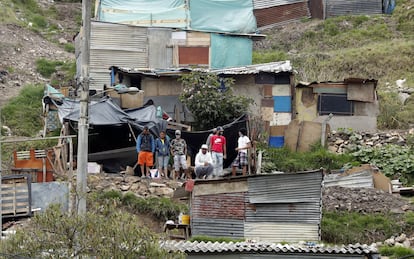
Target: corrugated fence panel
[(286, 188), (261, 4), (306, 212), (160, 56), (217, 227), (352, 7), (281, 232), (115, 45), (357, 180), (298, 256), (278, 15)]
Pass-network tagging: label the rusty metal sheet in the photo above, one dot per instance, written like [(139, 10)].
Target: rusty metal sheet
[(282, 14), (352, 7)]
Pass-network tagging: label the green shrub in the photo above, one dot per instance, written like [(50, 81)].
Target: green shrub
[(39, 21), (103, 232)]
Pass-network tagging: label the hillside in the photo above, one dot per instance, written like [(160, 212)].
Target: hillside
[(30, 32)]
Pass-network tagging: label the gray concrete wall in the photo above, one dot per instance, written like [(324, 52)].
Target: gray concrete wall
[(45, 194), (356, 123)]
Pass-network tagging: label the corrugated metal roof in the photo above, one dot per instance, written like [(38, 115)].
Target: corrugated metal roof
[(260, 4), (352, 7), (346, 80), (267, 247), (272, 67)]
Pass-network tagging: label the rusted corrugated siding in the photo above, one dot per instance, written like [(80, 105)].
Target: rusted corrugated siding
[(115, 45), (352, 7), (276, 15), (261, 4), (218, 215), (220, 206), (316, 9)]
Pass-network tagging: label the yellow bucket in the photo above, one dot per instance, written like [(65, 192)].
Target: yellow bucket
[(186, 219)]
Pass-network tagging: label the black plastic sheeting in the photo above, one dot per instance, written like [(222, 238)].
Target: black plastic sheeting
[(112, 132)]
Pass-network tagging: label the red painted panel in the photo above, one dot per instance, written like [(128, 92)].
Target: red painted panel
[(193, 55)]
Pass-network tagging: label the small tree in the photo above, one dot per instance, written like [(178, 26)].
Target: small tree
[(210, 99)]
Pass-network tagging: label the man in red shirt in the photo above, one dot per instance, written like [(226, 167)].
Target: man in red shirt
[(218, 151)]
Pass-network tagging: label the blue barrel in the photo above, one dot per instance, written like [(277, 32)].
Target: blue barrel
[(276, 141)]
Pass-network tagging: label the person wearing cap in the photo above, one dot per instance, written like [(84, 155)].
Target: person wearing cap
[(203, 163), (145, 149), (178, 148), (218, 151), (243, 145)]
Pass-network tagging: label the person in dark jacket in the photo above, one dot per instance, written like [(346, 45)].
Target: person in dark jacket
[(145, 149), (162, 150)]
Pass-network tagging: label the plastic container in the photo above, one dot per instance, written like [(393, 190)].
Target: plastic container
[(185, 219), (277, 141)]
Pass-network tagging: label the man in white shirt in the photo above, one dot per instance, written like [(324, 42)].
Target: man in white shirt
[(243, 145), (203, 163)]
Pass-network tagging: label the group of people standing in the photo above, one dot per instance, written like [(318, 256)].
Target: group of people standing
[(208, 161)]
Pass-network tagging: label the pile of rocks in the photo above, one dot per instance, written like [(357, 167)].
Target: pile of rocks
[(128, 183), (343, 141), (363, 200)]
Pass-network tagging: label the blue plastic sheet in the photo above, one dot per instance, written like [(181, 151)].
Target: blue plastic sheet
[(230, 51), (223, 15)]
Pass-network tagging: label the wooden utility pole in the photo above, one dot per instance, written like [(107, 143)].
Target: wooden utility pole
[(82, 159)]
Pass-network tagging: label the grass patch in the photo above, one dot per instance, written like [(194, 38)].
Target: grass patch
[(47, 67), (69, 47), (23, 113), (353, 227), (282, 159), (395, 252), (159, 208)]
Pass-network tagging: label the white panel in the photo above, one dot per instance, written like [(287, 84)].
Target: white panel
[(179, 35), (280, 118), (281, 232), (281, 90)]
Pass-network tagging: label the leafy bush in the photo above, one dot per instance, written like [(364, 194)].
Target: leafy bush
[(101, 233), (209, 103), (392, 160)]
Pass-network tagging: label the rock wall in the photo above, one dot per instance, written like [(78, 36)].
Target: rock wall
[(343, 141)]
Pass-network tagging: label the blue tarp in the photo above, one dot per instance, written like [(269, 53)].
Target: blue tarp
[(205, 15), (230, 51), (223, 15), (159, 13)]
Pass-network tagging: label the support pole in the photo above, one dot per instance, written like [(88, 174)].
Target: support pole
[(83, 116)]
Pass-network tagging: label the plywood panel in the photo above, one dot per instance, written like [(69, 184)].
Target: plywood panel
[(193, 55)]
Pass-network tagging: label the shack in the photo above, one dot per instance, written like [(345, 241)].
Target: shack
[(283, 207), (353, 103)]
